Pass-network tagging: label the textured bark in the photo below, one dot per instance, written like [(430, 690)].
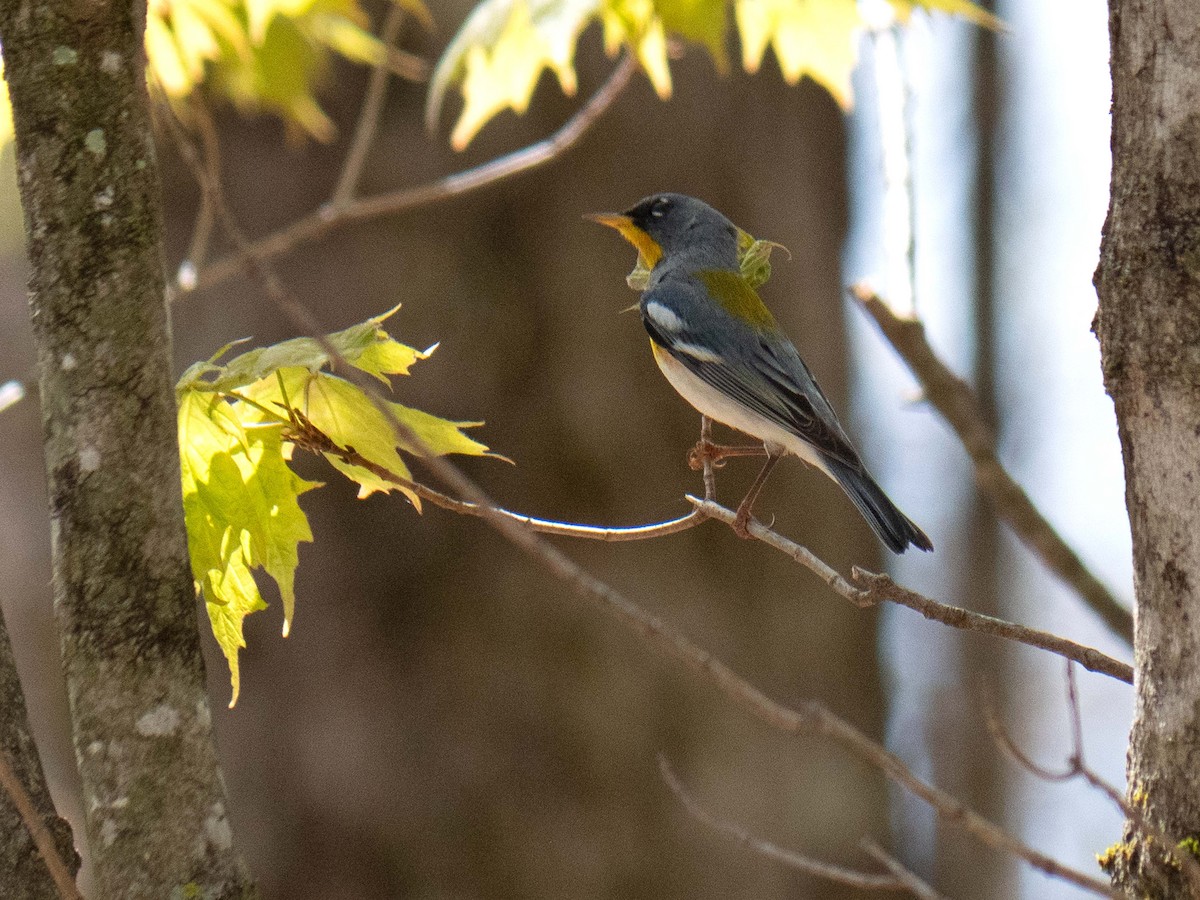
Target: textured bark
[(23, 872), (1149, 330), (124, 599)]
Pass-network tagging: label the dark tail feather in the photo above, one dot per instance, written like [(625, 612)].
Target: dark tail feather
[(894, 528)]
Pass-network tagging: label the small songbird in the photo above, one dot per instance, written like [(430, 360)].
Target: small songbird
[(721, 349)]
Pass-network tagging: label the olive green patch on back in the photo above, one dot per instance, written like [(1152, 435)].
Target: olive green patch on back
[(737, 297)]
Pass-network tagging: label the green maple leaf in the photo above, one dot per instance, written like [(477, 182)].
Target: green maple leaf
[(504, 46), (817, 38), (241, 507), (501, 51), (238, 424), (341, 411)]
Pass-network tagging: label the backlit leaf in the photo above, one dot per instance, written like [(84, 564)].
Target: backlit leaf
[(241, 507), (239, 423), (264, 55), (342, 412), (366, 346), (754, 260), (499, 54), (817, 38)]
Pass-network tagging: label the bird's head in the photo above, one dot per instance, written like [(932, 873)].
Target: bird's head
[(667, 226)]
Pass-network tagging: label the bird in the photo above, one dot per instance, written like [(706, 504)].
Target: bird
[(721, 349)]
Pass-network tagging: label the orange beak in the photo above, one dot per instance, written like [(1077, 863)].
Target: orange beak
[(646, 246)]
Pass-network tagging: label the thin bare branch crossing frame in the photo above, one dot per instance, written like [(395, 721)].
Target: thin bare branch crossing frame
[(809, 866), (874, 588), (64, 882), (956, 402), (1077, 768), (343, 209)]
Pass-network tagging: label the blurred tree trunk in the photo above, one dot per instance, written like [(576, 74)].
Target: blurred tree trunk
[(23, 872), (1149, 329), (977, 773), (123, 591)]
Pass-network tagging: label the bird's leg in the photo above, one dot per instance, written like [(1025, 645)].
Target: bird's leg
[(741, 522), (710, 477)]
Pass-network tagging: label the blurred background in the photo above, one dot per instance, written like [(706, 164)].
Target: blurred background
[(446, 719)]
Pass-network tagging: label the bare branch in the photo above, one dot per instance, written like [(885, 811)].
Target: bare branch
[(202, 230), (1006, 743), (31, 817), (327, 218), (954, 399), (42, 838), (810, 717), (908, 878), (368, 117), (881, 588), (1078, 768), (798, 552), (303, 434), (799, 862)]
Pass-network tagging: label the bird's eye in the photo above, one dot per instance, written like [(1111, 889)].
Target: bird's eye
[(659, 207)]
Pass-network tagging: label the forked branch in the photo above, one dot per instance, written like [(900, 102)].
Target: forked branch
[(1076, 767), (866, 881), (875, 589), (344, 210), (954, 399)]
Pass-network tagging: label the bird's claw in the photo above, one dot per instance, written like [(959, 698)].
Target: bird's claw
[(705, 452)]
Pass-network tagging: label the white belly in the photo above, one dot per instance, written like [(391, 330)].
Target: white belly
[(714, 404)]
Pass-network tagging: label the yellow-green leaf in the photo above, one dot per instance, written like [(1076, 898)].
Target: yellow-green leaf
[(501, 51), (637, 24), (344, 414), (238, 425), (262, 54), (241, 507), (499, 54), (817, 38), (704, 21), (365, 346), (754, 259), (349, 418), (440, 436), (350, 39)]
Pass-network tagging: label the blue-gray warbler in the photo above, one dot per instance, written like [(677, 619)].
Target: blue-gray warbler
[(721, 349)]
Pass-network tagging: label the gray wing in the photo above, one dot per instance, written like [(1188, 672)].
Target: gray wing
[(761, 371)]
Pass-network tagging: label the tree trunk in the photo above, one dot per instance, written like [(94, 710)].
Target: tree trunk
[(1149, 330), (23, 872), (124, 599)]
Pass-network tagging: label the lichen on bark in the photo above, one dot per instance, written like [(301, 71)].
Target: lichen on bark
[(1149, 329), (124, 599)]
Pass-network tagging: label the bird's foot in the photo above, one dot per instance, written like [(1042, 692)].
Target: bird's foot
[(741, 522), (706, 451), (703, 452)]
